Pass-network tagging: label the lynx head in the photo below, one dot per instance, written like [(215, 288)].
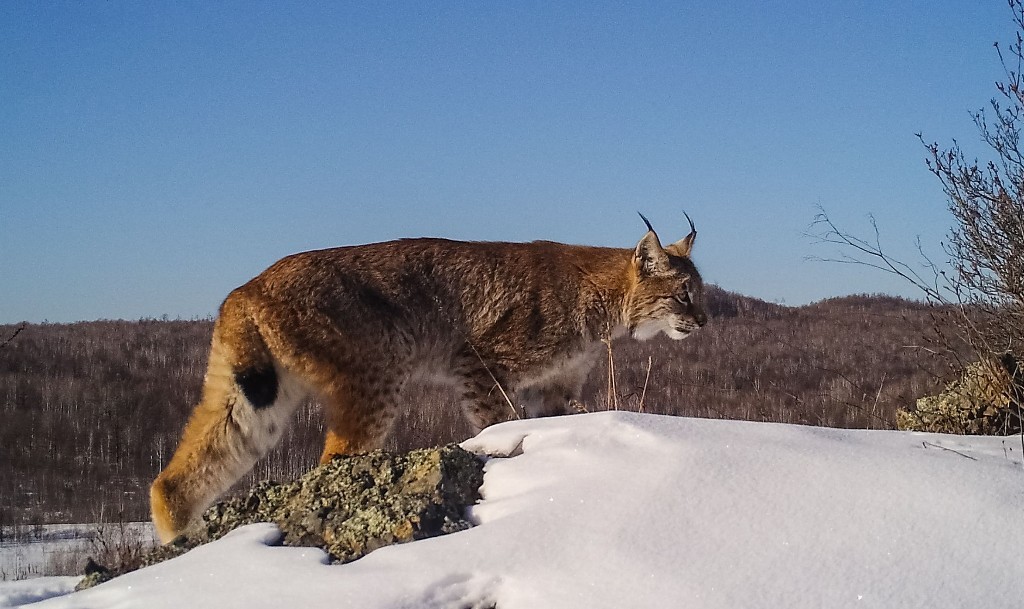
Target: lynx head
[(667, 294)]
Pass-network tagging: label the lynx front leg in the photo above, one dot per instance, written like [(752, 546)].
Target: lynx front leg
[(549, 401), (487, 400)]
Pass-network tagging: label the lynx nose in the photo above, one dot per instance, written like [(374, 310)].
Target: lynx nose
[(701, 319)]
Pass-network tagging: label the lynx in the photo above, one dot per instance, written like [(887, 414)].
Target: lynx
[(509, 324)]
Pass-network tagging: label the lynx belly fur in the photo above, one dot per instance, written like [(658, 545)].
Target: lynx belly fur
[(503, 322)]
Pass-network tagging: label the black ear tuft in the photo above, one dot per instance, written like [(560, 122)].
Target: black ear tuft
[(647, 222)]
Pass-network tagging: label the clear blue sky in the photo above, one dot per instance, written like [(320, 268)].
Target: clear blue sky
[(156, 155)]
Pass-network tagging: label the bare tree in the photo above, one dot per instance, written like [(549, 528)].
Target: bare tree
[(14, 335), (986, 245), (983, 284), (984, 279)]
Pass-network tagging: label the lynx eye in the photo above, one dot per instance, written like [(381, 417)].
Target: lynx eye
[(683, 299)]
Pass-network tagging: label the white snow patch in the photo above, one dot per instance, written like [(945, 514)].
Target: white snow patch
[(627, 510), (26, 591)]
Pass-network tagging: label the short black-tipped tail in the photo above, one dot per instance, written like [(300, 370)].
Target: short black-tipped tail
[(259, 384)]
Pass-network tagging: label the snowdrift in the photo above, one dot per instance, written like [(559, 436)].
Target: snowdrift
[(628, 510)]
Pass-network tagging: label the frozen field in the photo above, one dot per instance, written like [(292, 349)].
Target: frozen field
[(32, 551)]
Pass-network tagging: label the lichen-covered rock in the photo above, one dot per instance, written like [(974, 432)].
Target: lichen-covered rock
[(987, 400), (349, 506)]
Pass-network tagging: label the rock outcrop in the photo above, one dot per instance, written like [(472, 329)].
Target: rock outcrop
[(987, 400), (348, 507)]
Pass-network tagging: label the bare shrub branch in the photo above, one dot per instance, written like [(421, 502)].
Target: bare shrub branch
[(17, 331), (984, 277)]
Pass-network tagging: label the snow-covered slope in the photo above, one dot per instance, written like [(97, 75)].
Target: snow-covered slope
[(626, 510)]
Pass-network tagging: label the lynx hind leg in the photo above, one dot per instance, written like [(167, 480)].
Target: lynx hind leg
[(247, 403), (359, 413)]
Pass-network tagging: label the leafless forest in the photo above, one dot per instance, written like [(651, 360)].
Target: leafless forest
[(92, 410)]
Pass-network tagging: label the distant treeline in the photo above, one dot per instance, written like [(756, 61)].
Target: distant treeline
[(92, 411)]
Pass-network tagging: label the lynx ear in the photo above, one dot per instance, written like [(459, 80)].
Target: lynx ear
[(650, 257), (684, 246)]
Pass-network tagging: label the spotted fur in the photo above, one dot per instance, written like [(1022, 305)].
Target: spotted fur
[(355, 324)]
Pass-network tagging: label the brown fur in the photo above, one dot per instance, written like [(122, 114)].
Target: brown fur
[(354, 324)]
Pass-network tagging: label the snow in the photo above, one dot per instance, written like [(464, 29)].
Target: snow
[(23, 592), (629, 510)]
